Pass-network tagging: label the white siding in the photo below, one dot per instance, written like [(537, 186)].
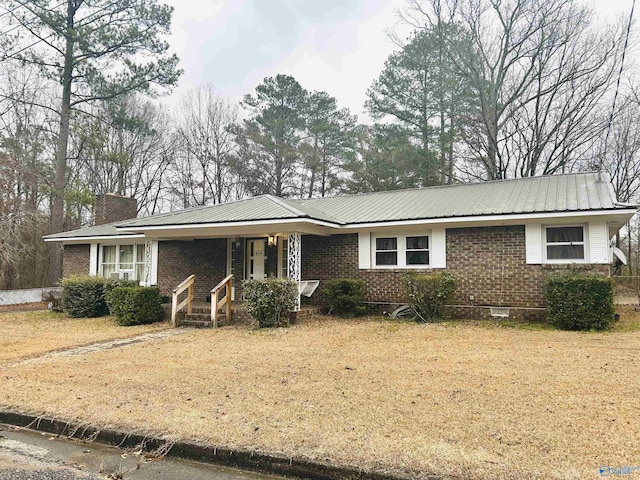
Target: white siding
[(598, 242), (153, 278), (364, 250), (533, 242), (93, 259), (439, 248)]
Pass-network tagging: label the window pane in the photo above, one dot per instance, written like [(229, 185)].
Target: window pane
[(108, 269), (417, 258), (109, 254), (417, 243), (565, 252), (140, 251), (140, 272), (565, 234), (126, 257), (386, 258), (387, 243)]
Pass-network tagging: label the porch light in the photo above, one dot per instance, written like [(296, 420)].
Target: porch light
[(272, 240)]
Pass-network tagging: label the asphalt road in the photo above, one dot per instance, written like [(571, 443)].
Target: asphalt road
[(29, 455)]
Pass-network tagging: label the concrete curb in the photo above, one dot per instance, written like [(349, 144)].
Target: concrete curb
[(247, 460)]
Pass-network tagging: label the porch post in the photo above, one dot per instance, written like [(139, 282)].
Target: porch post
[(295, 261), (148, 248)]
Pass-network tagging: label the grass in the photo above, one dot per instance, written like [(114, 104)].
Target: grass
[(462, 400), (28, 334)]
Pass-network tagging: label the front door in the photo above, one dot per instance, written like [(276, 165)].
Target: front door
[(257, 258)]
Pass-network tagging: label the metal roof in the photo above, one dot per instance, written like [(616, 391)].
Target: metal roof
[(548, 194), (106, 230)]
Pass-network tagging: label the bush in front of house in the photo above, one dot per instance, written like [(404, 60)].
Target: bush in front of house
[(428, 293), (345, 296), (580, 302), (270, 301), (136, 305), (87, 296), (110, 284), (83, 296)]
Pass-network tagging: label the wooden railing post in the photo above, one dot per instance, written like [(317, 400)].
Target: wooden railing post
[(186, 284), (228, 297), (216, 303)]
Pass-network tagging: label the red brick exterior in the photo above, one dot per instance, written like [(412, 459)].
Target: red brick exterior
[(114, 208), (488, 263), (207, 259), (75, 260)]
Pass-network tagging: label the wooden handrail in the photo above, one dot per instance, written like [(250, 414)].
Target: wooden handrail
[(216, 303), (186, 284), (222, 282)]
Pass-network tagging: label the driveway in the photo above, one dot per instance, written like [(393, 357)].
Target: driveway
[(29, 455)]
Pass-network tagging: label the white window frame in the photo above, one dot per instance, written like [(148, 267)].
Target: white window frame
[(135, 263), (283, 256), (401, 251), (584, 243)]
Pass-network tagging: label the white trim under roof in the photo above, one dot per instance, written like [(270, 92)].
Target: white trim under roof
[(91, 238)]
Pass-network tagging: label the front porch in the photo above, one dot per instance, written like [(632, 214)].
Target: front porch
[(254, 256)]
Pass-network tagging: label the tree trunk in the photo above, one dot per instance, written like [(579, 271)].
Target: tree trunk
[(59, 186)]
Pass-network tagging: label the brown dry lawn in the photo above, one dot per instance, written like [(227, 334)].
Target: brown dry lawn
[(463, 400), (29, 334)]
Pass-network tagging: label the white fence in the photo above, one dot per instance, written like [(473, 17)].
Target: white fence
[(29, 295)]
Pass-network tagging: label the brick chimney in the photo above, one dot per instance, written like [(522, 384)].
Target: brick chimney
[(114, 208)]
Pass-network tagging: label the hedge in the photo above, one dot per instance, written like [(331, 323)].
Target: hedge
[(270, 301), (580, 302), (345, 296), (428, 293), (86, 296), (136, 305)]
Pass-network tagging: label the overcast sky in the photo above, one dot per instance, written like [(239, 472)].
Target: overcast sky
[(338, 46)]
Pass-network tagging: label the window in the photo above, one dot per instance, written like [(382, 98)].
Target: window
[(402, 251), (387, 251), (565, 243), (284, 257), (417, 252), (123, 261)]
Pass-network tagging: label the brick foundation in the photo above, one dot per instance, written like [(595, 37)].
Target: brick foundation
[(207, 259), (488, 263), (75, 260)]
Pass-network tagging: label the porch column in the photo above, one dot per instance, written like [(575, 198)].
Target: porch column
[(148, 249), (295, 261)]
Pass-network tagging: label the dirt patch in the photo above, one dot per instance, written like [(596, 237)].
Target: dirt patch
[(458, 400)]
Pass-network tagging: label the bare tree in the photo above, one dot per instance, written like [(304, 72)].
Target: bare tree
[(207, 143), (538, 69)]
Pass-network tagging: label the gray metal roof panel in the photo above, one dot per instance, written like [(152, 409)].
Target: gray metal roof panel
[(95, 231), (547, 194)]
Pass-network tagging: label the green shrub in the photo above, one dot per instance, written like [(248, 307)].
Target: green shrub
[(136, 305), (84, 297), (111, 284), (270, 301), (580, 302), (427, 294), (345, 296), (87, 296)]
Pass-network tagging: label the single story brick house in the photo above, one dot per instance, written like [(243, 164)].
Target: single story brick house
[(498, 238)]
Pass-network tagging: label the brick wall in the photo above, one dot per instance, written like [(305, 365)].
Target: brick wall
[(114, 208), (75, 260), (488, 262), (207, 259)]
